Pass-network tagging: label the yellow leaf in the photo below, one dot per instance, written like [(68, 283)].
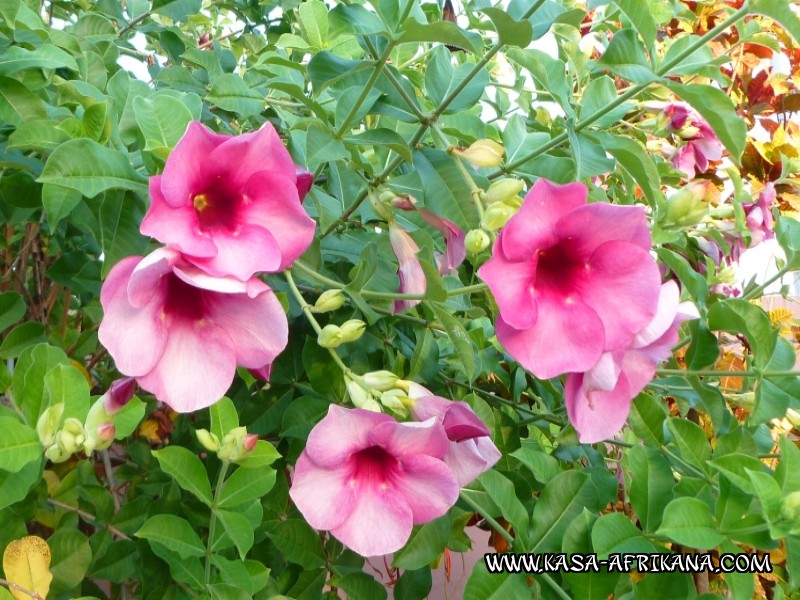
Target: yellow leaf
[(26, 563)]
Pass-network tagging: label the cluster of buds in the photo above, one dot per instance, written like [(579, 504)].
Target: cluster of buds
[(233, 446), (378, 389), (690, 205), (502, 201), (332, 336), (63, 439)]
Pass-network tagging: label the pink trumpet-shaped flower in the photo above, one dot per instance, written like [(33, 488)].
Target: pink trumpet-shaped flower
[(412, 277), (368, 479), (454, 237), (181, 332), (471, 450), (571, 280), (598, 401), (702, 144), (231, 205)]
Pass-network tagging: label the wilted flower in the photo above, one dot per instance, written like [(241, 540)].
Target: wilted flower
[(455, 250), (471, 449), (231, 205), (560, 272), (181, 333), (702, 144), (412, 277), (368, 479), (598, 401)]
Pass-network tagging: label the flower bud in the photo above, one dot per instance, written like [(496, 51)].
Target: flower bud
[(380, 380), (358, 395), (477, 240), (503, 189), (791, 509), (99, 438), (73, 436), (382, 205), (396, 401), (330, 336), (207, 439), (686, 207), (47, 425), (119, 394), (483, 153), (406, 202), (688, 132), (329, 300), (250, 442), (496, 216), (794, 417), (543, 116), (351, 330), (56, 452), (726, 274), (232, 446)]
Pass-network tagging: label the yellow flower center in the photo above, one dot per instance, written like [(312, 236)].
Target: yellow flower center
[(200, 202)]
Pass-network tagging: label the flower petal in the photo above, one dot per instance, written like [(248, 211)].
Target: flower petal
[(196, 369), (532, 227), (380, 522), (241, 254), (621, 284), (468, 459), (135, 337), (427, 485), (257, 326), (177, 226), (273, 204), (567, 337), (305, 179), (596, 415), (323, 495), (668, 299), (512, 285), (342, 432), (196, 277), (401, 439), (460, 423), (587, 227), (186, 172), (145, 278)]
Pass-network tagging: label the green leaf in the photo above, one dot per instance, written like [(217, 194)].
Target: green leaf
[(735, 467), (19, 445), (187, 470), (639, 12), (560, 502), (120, 216), (15, 486), (442, 80), (64, 384), (717, 108), (689, 278), (549, 73), (224, 417), (691, 441), (298, 542), (382, 137), (20, 338), (163, 121), (71, 557), (18, 104), (503, 494), (693, 63), (89, 168), (313, 17), (128, 418), (355, 19), (12, 309), (688, 521), (173, 532), (322, 147), (46, 56), (231, 93), (462, 343), (426, 543), (626, 57), (780, 11), (246, 485), (28, 381), (444, 188), (483, 585), (177, 10), (445, 32), (360, 586), (414, 585), (646, 419), (590, 157), (769, 494), (509, 31), (788, 472), (635, 160), (263, 455), (238, 529), (740, 316), (614, 533), (651, 484), (543, 466), (58, 202)]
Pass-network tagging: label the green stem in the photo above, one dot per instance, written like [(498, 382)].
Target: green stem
[(212, 524), (366, 293), (376, 72), (397, 85), (757, 291), (301, 266), (478, 287), (489, 519), (306, 307), (691, 468)]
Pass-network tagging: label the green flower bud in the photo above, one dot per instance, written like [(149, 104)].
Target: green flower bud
[(330, 336), (329, 300), (483, 153), (208, 440), (382, 208), (358, 395), (56, 453), (47, 425), (232, 447), (794, 417), (791, 509), (380, 380), (503, 189), (477, 240), (351, 330), (396, 401), (496, 216), (689, 205)]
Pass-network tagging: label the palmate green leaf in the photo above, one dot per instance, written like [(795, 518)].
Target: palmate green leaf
[(187, 470), (414, 585), (614, 533), (445, 32), (231, 93), (313, 17), (716, 107), (355, 19), (690, 440), (788, 472), (646, 419), (46, 56), (246, 485), (601, 92), (639, 12), (12, 309), (426, 543), (234, 573), (72, 556), (19, 445), (590, 158), (89, 168), (18, 104), (444, 189), (735, 466), (263, 455), (688, 521), (174, 533), (501, 491), (769, 494), (775, 394), (441, 80)]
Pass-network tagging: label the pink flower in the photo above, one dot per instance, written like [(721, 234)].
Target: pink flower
[(119, 394), (598, 401), (412, 277), (571, 280), (471, 450), (231, 205), (181, 332), (455, 249), (368, 479), (758, 216), (702, 144)]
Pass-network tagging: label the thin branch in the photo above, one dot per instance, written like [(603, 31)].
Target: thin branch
[(18, 588), (89, 517)]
